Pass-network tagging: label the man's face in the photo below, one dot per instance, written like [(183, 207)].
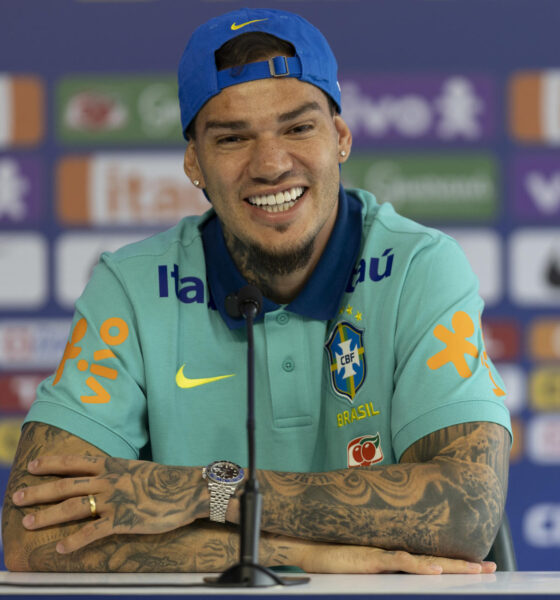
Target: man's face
[(268, 153)]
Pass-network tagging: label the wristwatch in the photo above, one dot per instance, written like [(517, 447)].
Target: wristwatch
[(223, 478)]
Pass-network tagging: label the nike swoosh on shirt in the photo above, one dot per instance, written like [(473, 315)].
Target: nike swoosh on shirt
[(186, 382), (235, 26)]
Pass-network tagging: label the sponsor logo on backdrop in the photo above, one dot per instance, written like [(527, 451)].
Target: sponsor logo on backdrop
[(536, 186), (21, 189), (535, 267), (483, 249), (364, 450), (10, 430), (126, 189), (420, 108), (517, 448), (23, 271), (514, 380), (21, 111), (502, 338), (76, 255), (534, 107), (32, 344), (545, 389), (429, 187), (17, 391), (543, 439), (123, 109), (95, 111), (541, 525), (544, 339)]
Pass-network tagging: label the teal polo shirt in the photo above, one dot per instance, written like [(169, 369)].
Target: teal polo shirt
[(382, 347)]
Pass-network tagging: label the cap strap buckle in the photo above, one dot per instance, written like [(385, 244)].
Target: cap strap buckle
[(278, 66)]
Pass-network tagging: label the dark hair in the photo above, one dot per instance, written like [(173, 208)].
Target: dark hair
[(252, 47)]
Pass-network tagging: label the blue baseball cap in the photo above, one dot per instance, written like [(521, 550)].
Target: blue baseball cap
[(199, 79)]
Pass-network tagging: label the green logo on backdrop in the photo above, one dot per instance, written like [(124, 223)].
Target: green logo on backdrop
[(118, 109), (429, 187)]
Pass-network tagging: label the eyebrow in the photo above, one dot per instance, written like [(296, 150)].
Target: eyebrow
[(294, 114), (283, 118)]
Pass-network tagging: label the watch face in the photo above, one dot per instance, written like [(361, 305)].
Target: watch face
[(224, 471)]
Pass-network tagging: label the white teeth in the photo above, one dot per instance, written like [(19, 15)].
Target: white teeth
[(279, 202)]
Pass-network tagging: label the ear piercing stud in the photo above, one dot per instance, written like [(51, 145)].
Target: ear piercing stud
[(196, 182), (343, 153)]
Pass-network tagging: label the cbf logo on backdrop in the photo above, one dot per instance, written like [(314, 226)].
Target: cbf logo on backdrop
[(347, 359)]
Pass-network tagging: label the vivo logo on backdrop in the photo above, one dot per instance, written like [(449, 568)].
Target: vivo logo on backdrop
[(452, 108), (535, 186)]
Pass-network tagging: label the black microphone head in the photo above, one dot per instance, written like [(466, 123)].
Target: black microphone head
[(247, 299), (232, 306), (249, 295)]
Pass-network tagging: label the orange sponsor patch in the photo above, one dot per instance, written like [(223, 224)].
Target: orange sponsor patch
[(22, 120), (534, 99)]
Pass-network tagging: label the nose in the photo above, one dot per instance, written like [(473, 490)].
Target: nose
[(270, 160)]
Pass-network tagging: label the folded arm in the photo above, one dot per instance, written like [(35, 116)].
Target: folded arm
[(446, 497), (49, 526), (48, 521)]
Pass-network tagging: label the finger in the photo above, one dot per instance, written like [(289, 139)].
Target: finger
[(420, 564), (74, 509), (67, 464), (54, 491), (488, 566), (411, 563), (94, 530), (452, 565)]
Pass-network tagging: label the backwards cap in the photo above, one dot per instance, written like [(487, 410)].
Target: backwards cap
[(199, 80)]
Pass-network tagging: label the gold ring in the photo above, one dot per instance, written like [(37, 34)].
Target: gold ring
[(92, 506)]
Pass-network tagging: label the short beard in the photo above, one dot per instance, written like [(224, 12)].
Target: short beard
[(262, 264)]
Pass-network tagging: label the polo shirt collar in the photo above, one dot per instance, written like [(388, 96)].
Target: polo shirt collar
[(321, 296)]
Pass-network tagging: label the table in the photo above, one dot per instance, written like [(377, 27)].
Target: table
[(521, 584)]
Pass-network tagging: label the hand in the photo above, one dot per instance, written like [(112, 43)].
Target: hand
[(130, 496), (318, 557)]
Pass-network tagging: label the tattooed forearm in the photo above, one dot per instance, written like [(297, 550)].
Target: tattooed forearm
[(36, 550), (446, 498), (141, 495)]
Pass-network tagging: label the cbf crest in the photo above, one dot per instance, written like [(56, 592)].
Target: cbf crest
[(347, 359)]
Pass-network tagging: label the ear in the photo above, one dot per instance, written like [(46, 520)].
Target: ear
[(344, 138), (191, 166)]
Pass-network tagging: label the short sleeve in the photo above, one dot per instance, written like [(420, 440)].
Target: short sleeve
[(97, 392), (443, 375)]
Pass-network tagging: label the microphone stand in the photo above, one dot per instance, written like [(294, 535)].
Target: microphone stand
[(248, 572)]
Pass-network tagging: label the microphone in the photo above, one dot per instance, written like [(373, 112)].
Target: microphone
[(247, 303)]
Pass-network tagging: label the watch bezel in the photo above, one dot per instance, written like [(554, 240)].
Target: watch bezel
[(213, 476)]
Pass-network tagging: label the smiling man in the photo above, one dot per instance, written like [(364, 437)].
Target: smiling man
[(380, 418), (272, 175)]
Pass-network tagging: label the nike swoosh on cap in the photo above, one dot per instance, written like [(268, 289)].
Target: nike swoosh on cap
[(235, 27), (186, 382)]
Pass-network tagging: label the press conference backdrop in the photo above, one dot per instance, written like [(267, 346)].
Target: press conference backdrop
[(455, 109)]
